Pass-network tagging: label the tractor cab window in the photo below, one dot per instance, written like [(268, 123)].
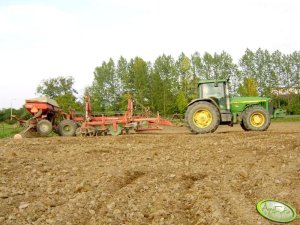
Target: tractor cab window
[(210, 90)]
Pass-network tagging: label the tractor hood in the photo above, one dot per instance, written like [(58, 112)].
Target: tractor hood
[(248, 100), (238, 104)]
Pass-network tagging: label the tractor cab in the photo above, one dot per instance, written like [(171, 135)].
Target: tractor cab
[(217, 91)]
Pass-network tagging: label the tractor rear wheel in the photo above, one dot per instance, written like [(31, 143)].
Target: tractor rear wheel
[(202, 117), (44, 127), (243, 126), (67, 128), (256, 118)]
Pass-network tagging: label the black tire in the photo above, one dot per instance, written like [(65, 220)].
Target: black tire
[(256, 118), (67, 128), (243, 126), (44, 127), (207, 120)]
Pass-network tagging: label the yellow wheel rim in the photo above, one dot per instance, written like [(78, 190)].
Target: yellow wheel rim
[(202, 118), (257, 119)]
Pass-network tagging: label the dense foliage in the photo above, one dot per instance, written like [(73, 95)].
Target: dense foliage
[(167, 85), (5, 114), (60, 89)]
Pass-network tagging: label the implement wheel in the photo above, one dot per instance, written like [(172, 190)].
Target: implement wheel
[(256, 118), (202, 117), (88, 131), (44, 127), (67, 128)]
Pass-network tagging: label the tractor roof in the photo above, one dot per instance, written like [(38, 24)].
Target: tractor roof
[(212, 81)]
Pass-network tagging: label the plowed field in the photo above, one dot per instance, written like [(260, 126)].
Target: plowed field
[(163, 177)]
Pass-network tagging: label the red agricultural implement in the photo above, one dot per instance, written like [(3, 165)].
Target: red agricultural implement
[(47, 116), (44, 113), (95, 125)]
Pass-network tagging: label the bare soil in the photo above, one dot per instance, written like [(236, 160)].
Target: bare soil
[(162, 177)]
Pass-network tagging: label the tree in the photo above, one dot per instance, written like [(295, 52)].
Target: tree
[(5, 115), (197, 73), (258, 66), (139, 78), (183, 65), (123, 73), (163, 84), (217, 66), (249, 88), (55, 87), (60, 89), (126, 83), (294, 61), (293, 106), (181, 102), (106, 88)]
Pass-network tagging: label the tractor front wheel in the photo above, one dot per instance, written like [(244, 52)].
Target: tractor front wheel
[(202, 117), (44, 127), (256, 118), (67, 128)]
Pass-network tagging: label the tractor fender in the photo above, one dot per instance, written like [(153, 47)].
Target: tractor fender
[(240, 115), (211, 100), (237, 116), (247, 106)]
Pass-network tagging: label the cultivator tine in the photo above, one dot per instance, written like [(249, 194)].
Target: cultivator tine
[(24, 132), (27, 129)]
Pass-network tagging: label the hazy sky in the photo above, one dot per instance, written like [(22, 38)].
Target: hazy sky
[(41, 39)]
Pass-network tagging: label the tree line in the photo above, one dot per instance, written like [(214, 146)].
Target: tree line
[(168, 84)]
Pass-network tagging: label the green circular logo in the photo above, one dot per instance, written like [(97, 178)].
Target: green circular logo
[(276, 211)]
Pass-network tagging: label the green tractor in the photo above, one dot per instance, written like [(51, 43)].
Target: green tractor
[(214, 107)]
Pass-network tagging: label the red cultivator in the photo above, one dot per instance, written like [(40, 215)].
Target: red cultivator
[(115, 125), (46, 112)]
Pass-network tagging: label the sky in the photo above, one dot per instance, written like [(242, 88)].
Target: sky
[(43, 39)]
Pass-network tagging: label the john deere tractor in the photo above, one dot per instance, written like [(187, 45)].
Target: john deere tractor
[(214, 107)]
